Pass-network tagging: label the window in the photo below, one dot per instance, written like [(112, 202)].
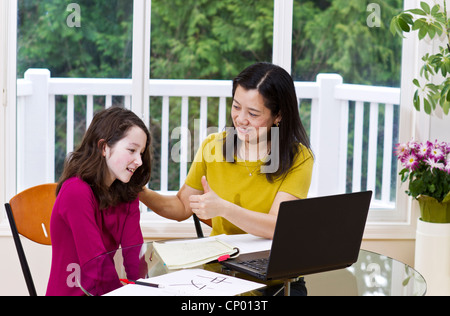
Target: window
[(208, 40), (198, 47), (83, 39), (352, 39)]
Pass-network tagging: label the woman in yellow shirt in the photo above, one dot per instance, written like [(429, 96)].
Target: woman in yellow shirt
[(239, 177)]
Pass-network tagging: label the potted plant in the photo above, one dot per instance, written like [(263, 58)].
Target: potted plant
[(431, 21), (427, 167)]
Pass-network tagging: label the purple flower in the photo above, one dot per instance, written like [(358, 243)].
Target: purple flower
[(410, 161), (401, 150), (434, 163), (424, 149), (445, 147), (413, 145), (437, 153)]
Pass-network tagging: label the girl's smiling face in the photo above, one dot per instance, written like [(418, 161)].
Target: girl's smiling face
[(125, 156), (250, 116)]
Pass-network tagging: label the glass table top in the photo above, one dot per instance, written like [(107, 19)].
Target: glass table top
[(372, 275)]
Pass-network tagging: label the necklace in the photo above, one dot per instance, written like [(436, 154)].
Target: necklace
[(250, 173)]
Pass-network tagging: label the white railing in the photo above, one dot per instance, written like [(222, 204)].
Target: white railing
[(332, 104)]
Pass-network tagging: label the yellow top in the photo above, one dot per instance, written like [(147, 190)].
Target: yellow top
[(232, 182)]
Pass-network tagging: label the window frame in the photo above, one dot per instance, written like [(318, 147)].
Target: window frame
[(8, 38)]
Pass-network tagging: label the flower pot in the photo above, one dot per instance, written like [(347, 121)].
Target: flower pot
[(432, 258), (432, 211)]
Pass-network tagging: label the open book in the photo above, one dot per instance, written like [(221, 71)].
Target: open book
[(189, 254)]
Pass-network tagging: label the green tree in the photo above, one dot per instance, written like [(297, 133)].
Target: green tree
[(100, 48), (209, 39), (336, 38)]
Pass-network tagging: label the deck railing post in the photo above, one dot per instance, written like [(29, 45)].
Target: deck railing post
[(325, 133), (36, 133)]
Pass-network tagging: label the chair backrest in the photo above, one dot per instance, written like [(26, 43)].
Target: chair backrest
[(32, 211), (29, 214), (198, 227)]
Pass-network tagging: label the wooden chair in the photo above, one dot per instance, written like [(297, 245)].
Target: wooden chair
[(29, 215)]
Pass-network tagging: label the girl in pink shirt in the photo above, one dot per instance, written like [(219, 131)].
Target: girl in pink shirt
[(97, 204)]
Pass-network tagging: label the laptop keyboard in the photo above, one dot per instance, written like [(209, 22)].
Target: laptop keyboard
[(259, 265)]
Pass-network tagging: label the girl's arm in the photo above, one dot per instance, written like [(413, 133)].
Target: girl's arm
[(175, 207)]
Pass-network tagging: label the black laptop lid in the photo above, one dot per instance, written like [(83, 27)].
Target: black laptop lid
[(318, 234)]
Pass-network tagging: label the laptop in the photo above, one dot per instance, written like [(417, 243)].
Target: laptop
[(311, 235)]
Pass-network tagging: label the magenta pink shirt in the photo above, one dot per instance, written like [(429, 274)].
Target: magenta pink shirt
[(81, 232)]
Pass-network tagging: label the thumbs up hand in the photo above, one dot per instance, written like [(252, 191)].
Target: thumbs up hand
[(209, 204), (206, 188)]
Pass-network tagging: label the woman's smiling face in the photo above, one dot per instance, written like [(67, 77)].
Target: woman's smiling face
[(250, 116)]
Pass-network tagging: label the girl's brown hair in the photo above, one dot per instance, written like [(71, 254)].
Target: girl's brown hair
[(87, 162)]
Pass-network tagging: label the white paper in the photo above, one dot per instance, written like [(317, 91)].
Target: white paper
[(190, 282)]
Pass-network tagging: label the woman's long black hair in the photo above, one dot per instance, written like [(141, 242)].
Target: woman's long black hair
[(278, 91)]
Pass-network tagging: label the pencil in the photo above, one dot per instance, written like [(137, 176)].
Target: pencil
[(142, 283)]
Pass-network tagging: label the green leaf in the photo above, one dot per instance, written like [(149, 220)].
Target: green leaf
[(408, 18), (423, 32), (418, 24), (404, 175), (403, 25), (435, 10), (416, 100), (425, 7), (427, 106), (400, 24), (437, 28), (393, 27), (417, 12), (445, 92), (445, 107), (432, 31), (447, 66), (432, 188)]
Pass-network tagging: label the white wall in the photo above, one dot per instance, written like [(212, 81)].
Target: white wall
[(12, 280), (440, 129)]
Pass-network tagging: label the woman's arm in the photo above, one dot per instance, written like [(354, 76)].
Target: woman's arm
[(210, 205), (175, 207), (255, 223)]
